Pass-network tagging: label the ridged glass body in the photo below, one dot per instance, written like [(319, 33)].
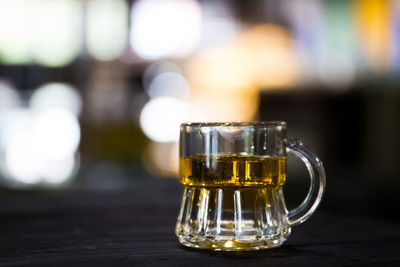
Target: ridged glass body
[(233, 175), (232, 218)]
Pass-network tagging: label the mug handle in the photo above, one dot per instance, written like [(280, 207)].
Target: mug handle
[(317, 185)]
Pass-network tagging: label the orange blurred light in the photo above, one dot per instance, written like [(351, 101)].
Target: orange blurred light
[(226, 80), (162, 159), (224, 68), (271, 53), (373, 18)]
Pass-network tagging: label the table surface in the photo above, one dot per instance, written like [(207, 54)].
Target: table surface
[(135, 226)]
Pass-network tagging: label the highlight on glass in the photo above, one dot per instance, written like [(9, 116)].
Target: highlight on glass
[(233, 175)]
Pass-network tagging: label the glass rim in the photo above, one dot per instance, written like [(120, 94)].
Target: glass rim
[(235, 124)]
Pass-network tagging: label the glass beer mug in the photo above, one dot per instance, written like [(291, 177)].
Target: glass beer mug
[(233, 175)]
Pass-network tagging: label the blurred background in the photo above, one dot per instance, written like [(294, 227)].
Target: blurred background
[(92, 92)]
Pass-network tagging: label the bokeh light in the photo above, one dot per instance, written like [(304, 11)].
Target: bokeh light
[(41, 146), (219, 24), (56, 34), (162, 159), (56, 171), (157, 68), (14, 33), (169, 84), (39, 143), (9, 97), (107, 28), (10, 103), (165, 28), (223, 84), (56, 96), (161, 117), (21, 161), (55, 133), (221, 68), (262, 56), (272, 62), (374, 20), (226, 80), (47, 32)]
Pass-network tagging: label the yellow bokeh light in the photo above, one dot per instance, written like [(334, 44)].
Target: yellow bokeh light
[(374, 18)]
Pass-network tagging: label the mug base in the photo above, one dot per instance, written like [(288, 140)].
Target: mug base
[(232, 219), (232, 245)]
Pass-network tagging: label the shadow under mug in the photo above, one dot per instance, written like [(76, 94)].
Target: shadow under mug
[(233, 175)]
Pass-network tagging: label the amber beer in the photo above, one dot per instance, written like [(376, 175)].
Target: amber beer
[(232, 170)]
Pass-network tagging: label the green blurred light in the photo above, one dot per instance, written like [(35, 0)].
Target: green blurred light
[(107, 28), (56, 32), (14, 34), (44, 31)]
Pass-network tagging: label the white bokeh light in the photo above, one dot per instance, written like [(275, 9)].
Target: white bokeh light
[(156, 69), (56, 133), (56, 171), (165, 28), (169, 84), (9, 97), (24, 164), (56, 96), (9, 103), (20, 159), (161, 117), (39, 146), (12, 122), (219, 24)]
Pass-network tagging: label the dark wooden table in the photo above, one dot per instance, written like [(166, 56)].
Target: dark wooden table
[(135, 226)]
